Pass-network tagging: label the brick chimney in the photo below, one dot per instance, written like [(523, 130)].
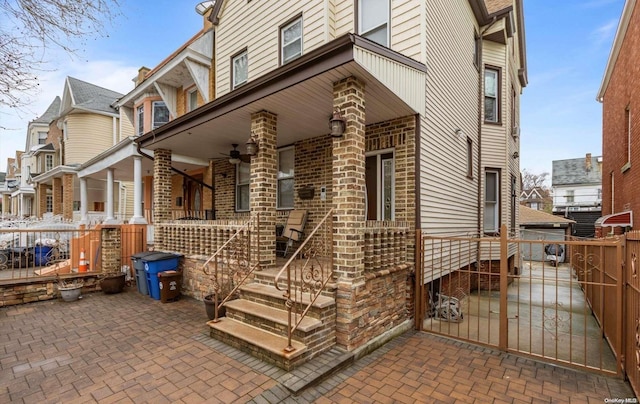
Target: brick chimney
[(142, 72), (587, 162)]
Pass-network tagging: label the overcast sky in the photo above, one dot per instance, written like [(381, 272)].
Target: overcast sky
[(568, 44)]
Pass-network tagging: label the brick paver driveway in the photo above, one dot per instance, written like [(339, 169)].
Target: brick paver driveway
[(130, 348)]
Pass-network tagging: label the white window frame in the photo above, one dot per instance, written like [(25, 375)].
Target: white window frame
[(627, 113), (493, 203), (496, 97), (286, 177), (191, 103), (49, 203), (570, 196), (140, 120), (48, 162), (154, 124), (284, 43), (366, 33), (234, 72), (241, 184), (42, 139), (380, 196)]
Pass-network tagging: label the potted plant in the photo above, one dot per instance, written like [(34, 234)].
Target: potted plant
[(210, 306), (112, 282), (70, 290)]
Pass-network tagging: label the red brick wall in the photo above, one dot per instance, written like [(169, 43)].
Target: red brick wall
[(623, 90)]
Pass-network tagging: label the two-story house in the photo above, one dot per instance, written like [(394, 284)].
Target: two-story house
[(374, 118), (37, 158), (577, 191), (619, 95), (179, 84), (84, 126)]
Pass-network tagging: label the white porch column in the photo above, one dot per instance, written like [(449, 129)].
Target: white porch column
[(84, 202), (137, 192), (110, 219)]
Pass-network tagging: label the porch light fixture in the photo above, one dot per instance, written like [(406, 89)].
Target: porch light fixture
[(459, 133), (252, 146), (337, 124), (234, 155), (516, 155)]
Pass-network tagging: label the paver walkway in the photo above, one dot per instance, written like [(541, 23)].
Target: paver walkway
[(129, 348)]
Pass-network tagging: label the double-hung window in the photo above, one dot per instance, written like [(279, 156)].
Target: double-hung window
[(491, 95), (192, 100), (570, 196), (160, 114), (48, 162), (286, 164), (42, 137), (243, 179), (373, 18), (140, 118), (491, 201), (239, 69), (291, 41)]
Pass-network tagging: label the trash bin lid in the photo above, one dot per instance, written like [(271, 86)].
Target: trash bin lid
[(167, 273), (160, 256), (142, 254)]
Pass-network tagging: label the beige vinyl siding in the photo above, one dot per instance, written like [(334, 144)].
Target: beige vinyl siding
[(448, 199), (127, 195), (406, 28), (255, 26), (345, 17), (126, 125), (87, 136)]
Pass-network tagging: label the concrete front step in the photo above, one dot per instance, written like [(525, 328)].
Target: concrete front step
[(258, 292), (257, 342), (246, 308)]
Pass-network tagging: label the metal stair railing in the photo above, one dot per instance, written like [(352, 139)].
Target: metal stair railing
[(230, 266), (312, 268)]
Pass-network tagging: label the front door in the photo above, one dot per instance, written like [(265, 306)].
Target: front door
[(380, 182)]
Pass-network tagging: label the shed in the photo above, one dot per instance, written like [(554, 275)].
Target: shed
[(537, 225)]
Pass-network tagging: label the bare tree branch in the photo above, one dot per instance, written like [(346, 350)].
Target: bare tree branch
[(31, 26)]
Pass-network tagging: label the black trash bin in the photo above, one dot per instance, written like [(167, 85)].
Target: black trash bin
[(138, 265), (170, 285)]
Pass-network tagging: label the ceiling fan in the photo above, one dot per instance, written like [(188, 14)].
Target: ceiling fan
[(234, 155)]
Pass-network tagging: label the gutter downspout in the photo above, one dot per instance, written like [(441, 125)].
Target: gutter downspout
[(480, 104), (212, 188)]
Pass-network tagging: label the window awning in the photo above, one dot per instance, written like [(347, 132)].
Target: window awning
[(622, 219)]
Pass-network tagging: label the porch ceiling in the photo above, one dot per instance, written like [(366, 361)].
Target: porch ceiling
[(302, 98)]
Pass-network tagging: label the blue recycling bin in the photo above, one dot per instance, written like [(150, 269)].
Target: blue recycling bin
[(156, 263), (41, 255)]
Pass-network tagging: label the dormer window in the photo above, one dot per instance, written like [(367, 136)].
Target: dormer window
[(160, 114), (240, 69), (291, 40), (192, 100), (373, 18)]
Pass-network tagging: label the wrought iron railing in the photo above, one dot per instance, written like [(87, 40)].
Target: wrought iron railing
[(231, 265), (308, 272)]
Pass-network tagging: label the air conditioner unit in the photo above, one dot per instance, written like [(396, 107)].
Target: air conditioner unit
[(515, 132)]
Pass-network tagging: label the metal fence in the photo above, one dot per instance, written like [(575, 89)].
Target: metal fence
[(37, 253), (567, 309)]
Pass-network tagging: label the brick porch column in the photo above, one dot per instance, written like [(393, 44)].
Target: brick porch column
[(161, 192), (264, 167), (57, 196), (42, 199), (349, 212), (67, 196)]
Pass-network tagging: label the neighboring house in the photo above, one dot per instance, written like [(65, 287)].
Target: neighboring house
[(38, 157), (3, 188), (619, 94), (422, 99), (85, 125), (12, 183), (577, 192), (179, 84), (536, 225), (537, 198)]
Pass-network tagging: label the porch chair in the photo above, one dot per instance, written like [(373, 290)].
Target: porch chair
[(293, 231)]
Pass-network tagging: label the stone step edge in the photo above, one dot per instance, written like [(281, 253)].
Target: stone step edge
[(259, 338), (272, 314), (262, 289)]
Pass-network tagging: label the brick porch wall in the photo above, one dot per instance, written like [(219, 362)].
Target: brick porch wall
[(161, 190), (57, 196), (67, 196), (42, 199)]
